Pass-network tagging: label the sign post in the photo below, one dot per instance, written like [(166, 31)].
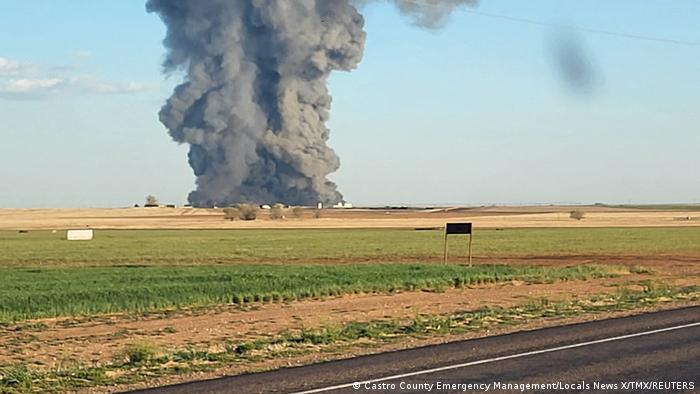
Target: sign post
[(458, 228)]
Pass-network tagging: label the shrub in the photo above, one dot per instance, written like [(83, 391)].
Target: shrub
[(298, 212), (317, 213), (138, 354), (277, 212), (231, 213), (247, 212), (577, 214)]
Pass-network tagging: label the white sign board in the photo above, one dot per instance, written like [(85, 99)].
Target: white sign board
[(79, 235)]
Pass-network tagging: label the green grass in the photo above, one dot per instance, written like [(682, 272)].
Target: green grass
[(139, 353), (27, 293), (156, 247)]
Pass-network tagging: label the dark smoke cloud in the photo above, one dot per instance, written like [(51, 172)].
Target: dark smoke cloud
[(573, 62), (254, 102), (430, 13)]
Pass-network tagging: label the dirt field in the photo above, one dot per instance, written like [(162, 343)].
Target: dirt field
[(485, 217)]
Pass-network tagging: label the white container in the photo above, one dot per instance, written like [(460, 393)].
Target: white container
[(79, 235)]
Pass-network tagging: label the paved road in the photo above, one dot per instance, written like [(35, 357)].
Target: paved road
[(647, 349)]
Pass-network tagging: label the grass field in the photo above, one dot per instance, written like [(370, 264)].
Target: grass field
[(47, 292), (44, 248)]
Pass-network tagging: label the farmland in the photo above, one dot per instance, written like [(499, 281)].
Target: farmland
[(172, 247), (32, 293), (231, 297)]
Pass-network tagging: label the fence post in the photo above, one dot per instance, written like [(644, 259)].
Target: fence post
[(444, 257)]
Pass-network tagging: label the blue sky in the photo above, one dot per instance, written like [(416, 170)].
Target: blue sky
[(474, 113)]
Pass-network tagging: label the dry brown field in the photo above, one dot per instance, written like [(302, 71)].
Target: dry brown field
[(484, 217)]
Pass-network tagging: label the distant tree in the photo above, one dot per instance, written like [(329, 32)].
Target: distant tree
[(231, 213), (247, 211), (277, 212), (151, 200), (298, 212), (577, 214)]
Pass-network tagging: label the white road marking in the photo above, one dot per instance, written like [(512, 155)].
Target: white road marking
[(491, 360)]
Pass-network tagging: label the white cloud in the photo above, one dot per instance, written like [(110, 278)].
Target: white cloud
[(19, 80), (30, 85), (8, 67), (91, 84)]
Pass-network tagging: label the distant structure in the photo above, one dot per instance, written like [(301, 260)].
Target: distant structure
[(320, 205), (343, 205)]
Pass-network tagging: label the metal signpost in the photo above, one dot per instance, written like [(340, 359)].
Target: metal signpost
[(459, 228)]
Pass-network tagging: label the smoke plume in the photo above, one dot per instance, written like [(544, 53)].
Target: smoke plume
[(430, 13), (254, 102), (574, 62)]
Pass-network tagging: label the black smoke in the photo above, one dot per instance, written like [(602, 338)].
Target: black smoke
[(574, 62), (254, 103)]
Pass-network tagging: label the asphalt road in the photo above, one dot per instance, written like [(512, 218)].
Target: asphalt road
[(653, 352)]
